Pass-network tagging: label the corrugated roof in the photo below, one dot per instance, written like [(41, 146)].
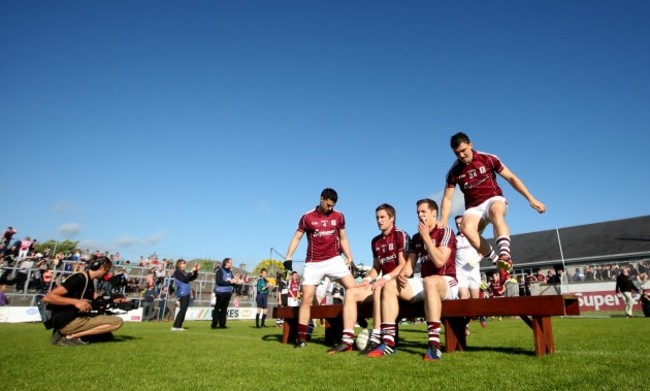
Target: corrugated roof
[(610, 239)]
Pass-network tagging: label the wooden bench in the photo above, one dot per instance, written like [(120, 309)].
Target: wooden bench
[(536, 311)]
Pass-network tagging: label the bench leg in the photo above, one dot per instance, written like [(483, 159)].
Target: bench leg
[(543, 334), (455, 334), (333, 331), (286, 330)]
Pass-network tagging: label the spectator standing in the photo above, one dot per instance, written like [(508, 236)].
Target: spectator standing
[(24, 247), (3, 298), (557, 278), (263, 288), (23, 275), (283, 295), (578, 276), (496, 287), (223, 288), (294, 290), (148, 298), (183, 291), (7, 236), (625, 286)]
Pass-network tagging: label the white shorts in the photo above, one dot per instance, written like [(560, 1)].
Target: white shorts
[(293, 302), (468, 277), (483, 209), (334, 268), (418, 288)]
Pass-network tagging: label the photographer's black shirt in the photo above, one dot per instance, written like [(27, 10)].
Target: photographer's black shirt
[(75, 285)]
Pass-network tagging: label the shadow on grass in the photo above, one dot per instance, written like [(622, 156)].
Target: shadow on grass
[(104, 338), (419, 348), (272, 338)]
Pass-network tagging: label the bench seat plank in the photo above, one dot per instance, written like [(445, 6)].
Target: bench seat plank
[(535, 311)]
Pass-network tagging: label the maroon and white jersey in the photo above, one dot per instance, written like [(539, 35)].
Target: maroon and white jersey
[(477, 180), (495, 288), (441, 237), (323, 241), (386, 248), (294, 288)]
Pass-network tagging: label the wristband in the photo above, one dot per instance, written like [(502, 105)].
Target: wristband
[(387, 277)]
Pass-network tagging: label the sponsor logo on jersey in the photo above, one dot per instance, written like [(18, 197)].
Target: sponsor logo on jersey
[(330, 232)]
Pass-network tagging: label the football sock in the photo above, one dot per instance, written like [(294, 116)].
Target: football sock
[(302, 331), (492, 256), (433, 330), (388, 330), (503, 242), (348, 337), (376, 336)]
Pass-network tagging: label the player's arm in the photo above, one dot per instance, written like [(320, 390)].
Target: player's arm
[(407, 270), (57, 297), (394, 274), (372, 274), (518, 185), (293, 245), (438, 254), (445, 205), (345, 246)]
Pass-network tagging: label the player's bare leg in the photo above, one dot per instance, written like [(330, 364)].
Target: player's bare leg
[(496, 214), (389, 311), (435, 288), (353, 296), (471, 227), (304, 313)]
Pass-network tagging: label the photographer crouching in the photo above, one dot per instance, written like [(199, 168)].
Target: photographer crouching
[(71, 305)]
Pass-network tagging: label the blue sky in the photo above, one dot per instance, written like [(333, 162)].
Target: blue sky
[(206, 128)]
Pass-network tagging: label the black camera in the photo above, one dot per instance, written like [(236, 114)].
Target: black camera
[(111, 301)]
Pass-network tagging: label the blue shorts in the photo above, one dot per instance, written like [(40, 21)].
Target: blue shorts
[(262, 300)]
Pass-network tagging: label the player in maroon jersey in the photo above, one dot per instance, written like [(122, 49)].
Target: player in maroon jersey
[(388, 259), (326, 239), (475, 173), (435, 247)]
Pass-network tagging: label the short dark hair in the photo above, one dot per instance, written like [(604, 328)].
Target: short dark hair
[(263, 270), (329, 194), (104, 262), (430, 203), (458, 139), (388, 208), (178, 263)]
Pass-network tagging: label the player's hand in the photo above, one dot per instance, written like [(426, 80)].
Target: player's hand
[(363, 283), (83, 305), (379, 283), (538, 206), (402, 280), (423, 230)]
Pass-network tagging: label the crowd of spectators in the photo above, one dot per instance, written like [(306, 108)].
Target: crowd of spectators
[(29, 268)]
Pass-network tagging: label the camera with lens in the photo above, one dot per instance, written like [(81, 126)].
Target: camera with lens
[(112, 301)]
